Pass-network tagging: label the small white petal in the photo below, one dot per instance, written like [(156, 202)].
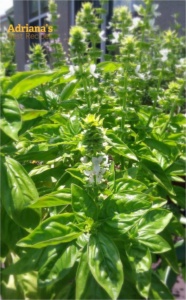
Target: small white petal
[(84, 159), (88, 173)]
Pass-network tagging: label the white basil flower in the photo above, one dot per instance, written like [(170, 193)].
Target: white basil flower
[(154, 12), (151, 23), (164, 53), (136, 7), (116, 37), (49, 17), (135, 23), (142, 76), (72, 70), (92, 71), (101, 35), (84, 159), (99, 178), (88, 172), (109, 25)]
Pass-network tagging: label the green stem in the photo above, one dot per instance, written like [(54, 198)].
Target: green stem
[(44, 95), (168, 121), (155, 101), (123, 103)]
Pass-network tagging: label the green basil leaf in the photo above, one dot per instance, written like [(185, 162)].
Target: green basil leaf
[(69, 90), (30, 114), (155, 242), (10, 122), (30, 83), (159, 175), (76, 174), (105, 264), (179, 198), (119, 147), (18, 192), (170, 256), (140, 259), (82, 204), (15, 79), (55, 230), (155, 220), (85, 279), (158, 290), (128, 203), (82, 275), (108, 66), (60, 197), (54, 271), (120, 223), (25, 264)]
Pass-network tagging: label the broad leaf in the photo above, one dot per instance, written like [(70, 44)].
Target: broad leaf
[(155, 242), (15, 79), (18, 192), (170, 256), (105, 264), (60, 197), (109, 66), (158, 290), (69, 90), (85, 279), (158, 175), (10, 122), (76, 174), (82, 204), (128, 203), (55, 230), (140, 259), (30, 114), (155, 220), (82, 275), (30, 83), (56, 270)]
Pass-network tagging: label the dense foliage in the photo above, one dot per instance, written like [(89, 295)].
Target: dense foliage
[(92, 159)]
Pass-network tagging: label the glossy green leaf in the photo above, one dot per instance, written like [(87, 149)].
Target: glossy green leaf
[(82, 275), (30, 83), (85, 279), (15, 79), (82, 204), (140, 259), (26, 264), (158, 290), (155, 242), (11, 233), (60, 197), (179, 198), (30, 114), (159, 175), (54, 271), (170, 256), (127, 203), (129, 185), (120, 223), (69, 90), (177, 168), (76, 174), (105, 264), (55, 230), (10, 122), (18, 192), (155, 220), (160, 146), (109, 66)]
